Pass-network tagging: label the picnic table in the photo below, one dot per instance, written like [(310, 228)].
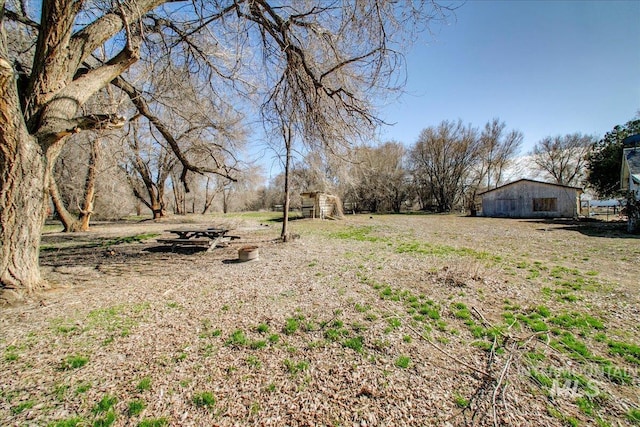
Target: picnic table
[(201, 237)]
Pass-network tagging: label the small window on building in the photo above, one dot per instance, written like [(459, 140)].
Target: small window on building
[(545, 204)]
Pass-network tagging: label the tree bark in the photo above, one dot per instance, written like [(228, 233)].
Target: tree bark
[(285, 214), (178, 196), (23, 183), (70, 223), (34, 129), (22, 213), (90, 186), (208, 200)]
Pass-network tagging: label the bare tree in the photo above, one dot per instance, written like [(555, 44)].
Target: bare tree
[(497, 150), (563, 158), (380, 178), (322, 95), (83, 202), (321, 58), (148, 170), (442, 160)]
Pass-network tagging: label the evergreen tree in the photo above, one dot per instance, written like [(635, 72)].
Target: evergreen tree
[(605, 160)]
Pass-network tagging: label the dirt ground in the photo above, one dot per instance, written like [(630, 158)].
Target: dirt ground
[(383, 320)]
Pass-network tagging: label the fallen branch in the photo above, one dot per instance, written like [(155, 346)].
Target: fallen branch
[(452, 357)]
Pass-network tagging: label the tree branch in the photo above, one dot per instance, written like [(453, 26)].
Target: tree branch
[(141, 105), (56, 118), (94, 35), (21, 18), (67, 127)]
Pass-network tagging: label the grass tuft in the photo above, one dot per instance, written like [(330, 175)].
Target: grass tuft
[(136, 407), (403, 362), (629, 352), (204, 399), (144, 384), (74, 362), (354, 343), (153, 422)]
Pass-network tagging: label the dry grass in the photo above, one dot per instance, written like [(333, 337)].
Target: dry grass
[(370, 321)]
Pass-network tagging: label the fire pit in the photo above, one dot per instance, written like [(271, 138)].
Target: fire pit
[(248, 253)]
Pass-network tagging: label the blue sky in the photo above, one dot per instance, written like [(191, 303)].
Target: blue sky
[(543, 67)]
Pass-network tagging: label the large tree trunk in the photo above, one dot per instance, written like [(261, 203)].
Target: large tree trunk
[(22, 213), (70, 223), (23, 183), (31, 138)]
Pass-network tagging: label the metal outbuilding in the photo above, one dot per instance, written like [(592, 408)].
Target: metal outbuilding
[(527, 198)]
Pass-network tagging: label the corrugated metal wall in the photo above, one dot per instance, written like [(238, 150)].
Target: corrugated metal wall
[(526, 199)]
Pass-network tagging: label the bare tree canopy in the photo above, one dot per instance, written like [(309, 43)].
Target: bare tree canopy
[(563, 158), (443, 158), (498, 147), (320, 59), (379, 178)]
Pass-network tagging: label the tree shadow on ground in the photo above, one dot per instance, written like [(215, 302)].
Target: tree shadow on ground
[(182, 250), (93, 252), (281, 219), (591, 228)]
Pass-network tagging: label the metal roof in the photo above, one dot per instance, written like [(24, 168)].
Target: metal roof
[(631, 140), (632, 155), (531, 180)]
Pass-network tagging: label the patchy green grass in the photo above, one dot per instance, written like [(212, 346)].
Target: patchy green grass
[(460, 401), (117, 320), (237, 339), (135, 407), (617, 374), (550, 320), (105, 420), (69, 422), (22, 406), (153, 422), (362, 308), (130, 239), (273, 338), (295, 367), (253, 361), (262, 328), (630, 352), (575, 348), (541, 378), (74, 362), (424, 248), (577, 320), (358, 233), (633, 415), (355, 343), (403, 362), (10, 354), (291, 326), (83, 388), (105, 404), (144, 384), (204, 399)]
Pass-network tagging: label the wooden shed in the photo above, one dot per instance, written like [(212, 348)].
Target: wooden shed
[(321, 205), (527, 198)]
